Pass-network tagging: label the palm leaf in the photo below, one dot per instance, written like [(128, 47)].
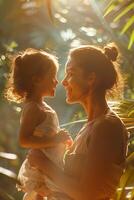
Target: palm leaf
[(130, 128), (109, 4), (132, 195), (130, 158), (125, 11), (9, 156), (131, 41), (126, 7), (74, 122), (131, 113), (128, 25), (109, 9), (124, 181), (7, 172)]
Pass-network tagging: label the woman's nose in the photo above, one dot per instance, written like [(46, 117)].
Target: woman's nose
[(56, 81)]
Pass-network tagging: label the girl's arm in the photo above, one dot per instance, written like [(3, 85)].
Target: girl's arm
[(32, 117)]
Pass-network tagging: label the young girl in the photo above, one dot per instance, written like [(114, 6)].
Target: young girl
[(33, 77)]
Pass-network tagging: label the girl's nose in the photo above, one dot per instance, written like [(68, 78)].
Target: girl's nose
[(64, 82)]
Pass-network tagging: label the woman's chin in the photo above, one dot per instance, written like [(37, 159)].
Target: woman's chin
[(70, 100), (52, 94)]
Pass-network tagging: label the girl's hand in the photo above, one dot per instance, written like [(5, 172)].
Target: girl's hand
[(63, 137), (69, 142)]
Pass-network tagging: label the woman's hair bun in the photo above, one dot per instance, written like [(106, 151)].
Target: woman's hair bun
[(111, 51), (18, 60)]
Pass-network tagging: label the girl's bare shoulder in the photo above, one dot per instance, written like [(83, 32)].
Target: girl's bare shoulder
[(32, 110)]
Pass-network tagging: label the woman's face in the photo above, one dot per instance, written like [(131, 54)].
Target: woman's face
[(75, 83)]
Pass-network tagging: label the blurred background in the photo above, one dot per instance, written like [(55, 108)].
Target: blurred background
[(56, 26)]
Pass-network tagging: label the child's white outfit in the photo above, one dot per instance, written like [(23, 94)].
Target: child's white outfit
[(30, 178)]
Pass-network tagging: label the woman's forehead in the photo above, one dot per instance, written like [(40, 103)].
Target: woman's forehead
[(69, 68), (70, 65)]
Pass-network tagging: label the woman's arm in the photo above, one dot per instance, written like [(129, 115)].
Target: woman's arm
[(102, 151), (32, 117), (69, 185), (105, 149)]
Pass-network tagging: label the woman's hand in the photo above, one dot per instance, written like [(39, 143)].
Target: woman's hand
[(43, 191)]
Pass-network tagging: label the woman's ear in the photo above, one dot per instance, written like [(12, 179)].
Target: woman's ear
[(92, 79)]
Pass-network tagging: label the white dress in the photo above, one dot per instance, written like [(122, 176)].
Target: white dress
[(30, 178)]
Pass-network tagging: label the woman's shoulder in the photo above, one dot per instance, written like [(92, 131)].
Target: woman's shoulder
[(110, 124), (110, 119)]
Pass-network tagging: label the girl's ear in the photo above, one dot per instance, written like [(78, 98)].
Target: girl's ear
[(36, 80), (92, 79)]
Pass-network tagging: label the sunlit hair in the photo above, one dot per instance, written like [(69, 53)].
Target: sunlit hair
[(25, 67), (104, 63)]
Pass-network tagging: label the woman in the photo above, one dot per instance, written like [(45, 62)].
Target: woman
[(95, 162)]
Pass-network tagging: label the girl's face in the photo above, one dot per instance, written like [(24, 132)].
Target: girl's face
[(75, 83), (47, 84)]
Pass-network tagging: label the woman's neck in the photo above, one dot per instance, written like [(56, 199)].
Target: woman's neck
[(94, 107)]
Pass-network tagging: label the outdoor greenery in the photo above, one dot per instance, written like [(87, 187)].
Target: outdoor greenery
[(56, 26), (123, 11)]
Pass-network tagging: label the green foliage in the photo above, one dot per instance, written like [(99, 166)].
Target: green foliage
[(131, 42), (125, 109), (124, 11)]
